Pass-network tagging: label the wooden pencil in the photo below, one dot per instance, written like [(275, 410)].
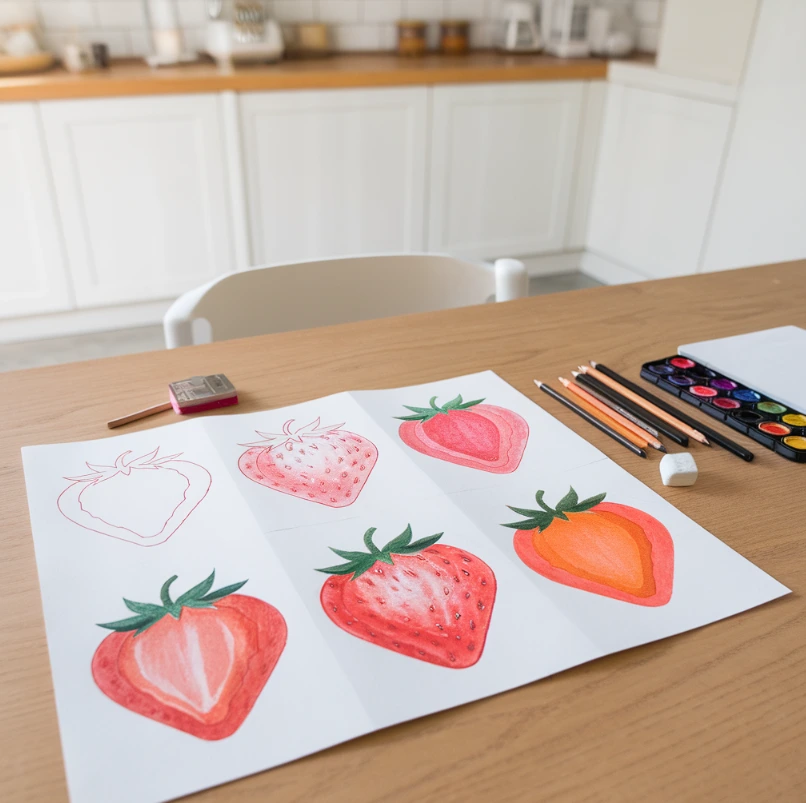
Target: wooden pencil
[(714, 436), (626, 443), (589, 382), (609, 413), (613, 405), (647, 405)]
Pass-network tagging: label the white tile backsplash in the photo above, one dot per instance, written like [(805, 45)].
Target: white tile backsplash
[(357, 24)]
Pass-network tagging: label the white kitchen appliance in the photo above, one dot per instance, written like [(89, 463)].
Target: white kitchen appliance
[(565, 27), (166, 44), (242, 31), (520, 33)]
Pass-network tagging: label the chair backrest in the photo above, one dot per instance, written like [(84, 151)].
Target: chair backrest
[(281, 298)]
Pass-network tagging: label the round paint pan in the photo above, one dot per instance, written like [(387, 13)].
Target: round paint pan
[(746, 395), (771, 408), (662, 369), (748, 416), (774, 428)]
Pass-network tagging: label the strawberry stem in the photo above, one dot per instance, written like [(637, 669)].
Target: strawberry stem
[(360, 562), (426, 413), (147, 614), (540, 519)]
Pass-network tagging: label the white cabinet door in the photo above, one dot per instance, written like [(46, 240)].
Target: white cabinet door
[(32, 271), (334, 172), (658, 165), (502, 167), (760, 214), (142, 194)]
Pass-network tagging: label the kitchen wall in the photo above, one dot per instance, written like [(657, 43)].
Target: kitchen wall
[(357, 24)]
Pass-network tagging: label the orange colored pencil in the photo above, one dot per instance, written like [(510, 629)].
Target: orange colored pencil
[(636, 440), (647, 405), (612, 414)]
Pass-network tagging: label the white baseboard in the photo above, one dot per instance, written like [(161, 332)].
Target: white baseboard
[(552, 264), (606, 271), (80, 322)]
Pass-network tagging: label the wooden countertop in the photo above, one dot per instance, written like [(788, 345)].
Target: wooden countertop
[(718, 713), (134, 77)]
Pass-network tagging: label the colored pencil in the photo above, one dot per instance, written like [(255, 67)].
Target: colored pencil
[(643, 439), (716, 437), (615, 406), (627, 444), (674, 420), (668, 431)]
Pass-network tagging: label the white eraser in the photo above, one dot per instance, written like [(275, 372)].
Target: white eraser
[(678, 469)]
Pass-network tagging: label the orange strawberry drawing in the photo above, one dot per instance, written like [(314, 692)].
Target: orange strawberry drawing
[(602, 547)]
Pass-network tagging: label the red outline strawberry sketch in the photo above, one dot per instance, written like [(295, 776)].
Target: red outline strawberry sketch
[(77, 501), (469, 434), (323, 464), (428, 601), (197, 663)]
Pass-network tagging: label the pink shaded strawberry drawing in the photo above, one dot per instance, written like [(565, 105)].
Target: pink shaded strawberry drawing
[(470, 434), (143, 500), (324, 464)]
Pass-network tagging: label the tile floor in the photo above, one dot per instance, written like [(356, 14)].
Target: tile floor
[(36, 353)]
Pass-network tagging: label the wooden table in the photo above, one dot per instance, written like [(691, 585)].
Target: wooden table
[(714, 714)]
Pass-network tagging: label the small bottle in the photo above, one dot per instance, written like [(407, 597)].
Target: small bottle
[(411, 40)]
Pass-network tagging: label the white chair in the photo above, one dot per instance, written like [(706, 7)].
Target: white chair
[(302, 295)]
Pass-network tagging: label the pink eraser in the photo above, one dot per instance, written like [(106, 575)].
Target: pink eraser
[(201, 393)]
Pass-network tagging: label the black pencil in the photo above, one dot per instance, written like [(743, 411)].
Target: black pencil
[(711, 434), (590, 419), (665, 429)]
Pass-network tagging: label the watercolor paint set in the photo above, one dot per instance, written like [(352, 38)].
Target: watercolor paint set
[(758, 416)]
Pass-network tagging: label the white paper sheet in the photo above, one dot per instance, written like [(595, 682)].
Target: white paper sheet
[(766, 361), (143, 717)]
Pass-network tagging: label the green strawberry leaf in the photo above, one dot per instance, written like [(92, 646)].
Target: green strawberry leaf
[(214, 596), (144, 608), (568, 501), (149, 614), (586, 504), (419, 546), (540, 519), (427, 413), (360, 562), (465, 405), (197, 591), (402, 540)]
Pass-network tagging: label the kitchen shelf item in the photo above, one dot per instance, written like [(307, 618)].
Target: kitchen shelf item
[(565, 27), (454, 37), (164, 34), (411, 38), (520, 33), (35, 62)]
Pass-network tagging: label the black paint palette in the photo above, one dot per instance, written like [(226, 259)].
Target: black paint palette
[(765, 420)]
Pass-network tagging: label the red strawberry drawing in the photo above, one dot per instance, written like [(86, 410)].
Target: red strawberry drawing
[(469, 434), (428, 602), (197, 663), (142, 500), (328, 465)]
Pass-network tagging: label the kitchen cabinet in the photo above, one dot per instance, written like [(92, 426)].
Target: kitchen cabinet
[(761, 205), (33, 277), (142, 194), (331, 173), (659, 161), (502, 167)]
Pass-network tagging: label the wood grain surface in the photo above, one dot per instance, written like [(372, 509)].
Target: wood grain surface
[(134, 77), (717, 714)]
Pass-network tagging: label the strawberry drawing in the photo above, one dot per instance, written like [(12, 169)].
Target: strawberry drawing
[(142, 500), (425, 600), (601, 547), (197, 663), (469, 434), (324, 464)]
